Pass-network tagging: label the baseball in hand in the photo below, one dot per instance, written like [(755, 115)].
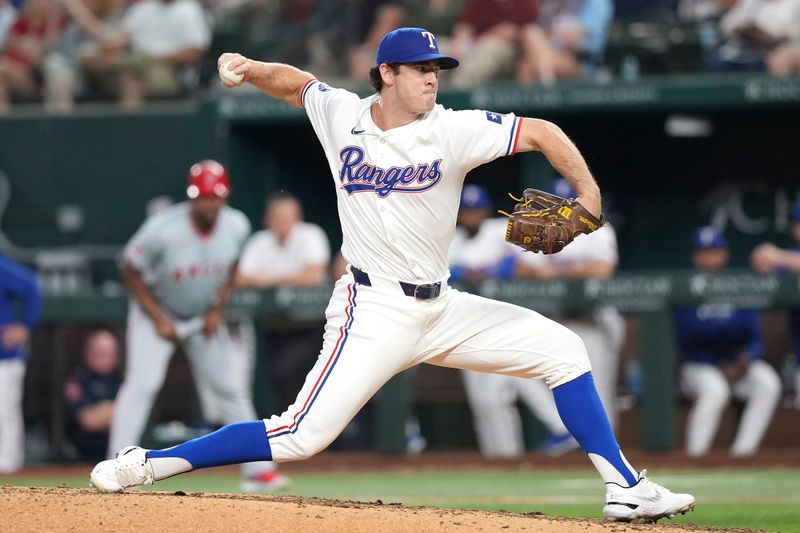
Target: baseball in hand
[(228, 75)]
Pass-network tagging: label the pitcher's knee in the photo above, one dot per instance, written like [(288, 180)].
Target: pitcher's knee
[(568, 359), (294, 447)]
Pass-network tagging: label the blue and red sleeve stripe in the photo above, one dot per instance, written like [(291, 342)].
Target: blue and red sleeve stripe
[(513, 138), (306, 87)]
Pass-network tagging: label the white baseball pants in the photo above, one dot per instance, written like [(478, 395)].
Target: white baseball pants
[(373, 332), (241, 360), (12, 426), (760, 388)]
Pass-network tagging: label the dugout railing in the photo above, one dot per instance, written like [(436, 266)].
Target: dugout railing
[(650, 295)]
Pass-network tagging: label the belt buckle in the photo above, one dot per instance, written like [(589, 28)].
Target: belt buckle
[(433, 287)]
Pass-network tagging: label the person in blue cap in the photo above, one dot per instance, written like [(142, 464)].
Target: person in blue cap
[(398, 163), (20, 310), (476, 253), (721, 351), (766, 258)]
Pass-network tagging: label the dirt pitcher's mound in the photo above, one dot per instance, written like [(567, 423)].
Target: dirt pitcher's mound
[(36, 510)]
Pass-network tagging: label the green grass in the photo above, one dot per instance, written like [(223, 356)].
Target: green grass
[(767, 499)]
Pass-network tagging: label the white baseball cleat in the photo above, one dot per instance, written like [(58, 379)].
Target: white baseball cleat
[(647, 501), (129, 469)]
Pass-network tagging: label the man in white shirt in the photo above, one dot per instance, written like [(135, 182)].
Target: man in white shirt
[(288, 252), (167, 39)]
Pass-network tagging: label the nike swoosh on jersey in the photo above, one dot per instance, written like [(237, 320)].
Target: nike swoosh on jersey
[(356, 132)]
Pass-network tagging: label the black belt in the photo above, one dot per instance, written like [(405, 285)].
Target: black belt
[(420, 292)]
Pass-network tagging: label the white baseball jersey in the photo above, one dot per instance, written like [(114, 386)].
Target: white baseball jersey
[(398, 194), (398, 190), (184, 268), (306, 245), (486, 249)]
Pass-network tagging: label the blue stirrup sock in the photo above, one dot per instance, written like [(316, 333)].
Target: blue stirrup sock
[(582, 413), (242, 442)]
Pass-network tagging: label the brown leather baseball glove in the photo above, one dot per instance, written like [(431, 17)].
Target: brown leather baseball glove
[(544, 222)]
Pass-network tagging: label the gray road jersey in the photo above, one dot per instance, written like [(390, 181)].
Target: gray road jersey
[(183, 268)]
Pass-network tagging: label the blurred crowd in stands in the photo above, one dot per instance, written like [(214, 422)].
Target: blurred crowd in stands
[(129, 51)]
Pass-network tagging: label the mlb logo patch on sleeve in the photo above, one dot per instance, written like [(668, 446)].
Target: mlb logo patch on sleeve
[(494, 117)]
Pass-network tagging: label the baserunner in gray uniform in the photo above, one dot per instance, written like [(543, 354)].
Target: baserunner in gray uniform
[(178, 269)]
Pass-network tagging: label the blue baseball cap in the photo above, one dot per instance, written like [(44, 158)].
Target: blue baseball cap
[(796, 213), (475, 197), (562, 188), (709, 238), (411, 45)]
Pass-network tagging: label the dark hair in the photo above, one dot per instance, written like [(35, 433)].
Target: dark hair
[(281, 195), (375, 78)]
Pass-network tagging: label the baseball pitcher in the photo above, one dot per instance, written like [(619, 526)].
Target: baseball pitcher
[(398, 162)]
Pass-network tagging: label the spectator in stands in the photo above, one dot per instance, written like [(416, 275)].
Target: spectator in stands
[(766, 258), (489, 39), (372, 20), (751, 29), (87, 54), (20, 308), (35, 30), (602, 329), (721, 350), (288, 252), (8, 14), (568, 41), (784, 60), (479, 253), (166, 39), (90, 393), (437, 16), (276, 30)]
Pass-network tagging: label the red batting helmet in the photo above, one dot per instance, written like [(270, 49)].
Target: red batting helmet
[(208, 178)]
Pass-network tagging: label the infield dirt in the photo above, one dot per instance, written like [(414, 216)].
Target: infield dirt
[(25, 509)]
